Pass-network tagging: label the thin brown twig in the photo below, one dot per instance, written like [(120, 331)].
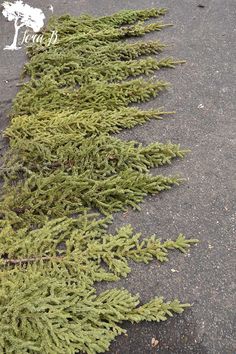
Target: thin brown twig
[(30, 260)]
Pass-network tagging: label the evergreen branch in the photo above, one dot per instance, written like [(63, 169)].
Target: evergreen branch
[(84, 55), (59, 194), (69, 24), (101, 155), (73, 73), (69, 241), (45, 305), (95, 95), (82, 123)]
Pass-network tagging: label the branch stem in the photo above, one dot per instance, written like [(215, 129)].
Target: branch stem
[(30, 260)]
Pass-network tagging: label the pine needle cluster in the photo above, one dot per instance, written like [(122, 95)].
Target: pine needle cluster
[(62, 164)]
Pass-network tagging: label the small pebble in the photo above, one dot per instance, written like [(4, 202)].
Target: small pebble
[(174, 271)]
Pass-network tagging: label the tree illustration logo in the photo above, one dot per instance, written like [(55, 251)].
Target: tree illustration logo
[(22, 15)]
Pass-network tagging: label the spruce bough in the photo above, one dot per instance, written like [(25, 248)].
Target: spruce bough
[(61, 165)]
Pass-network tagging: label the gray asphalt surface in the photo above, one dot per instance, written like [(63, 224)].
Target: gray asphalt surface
[(203, 95)]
